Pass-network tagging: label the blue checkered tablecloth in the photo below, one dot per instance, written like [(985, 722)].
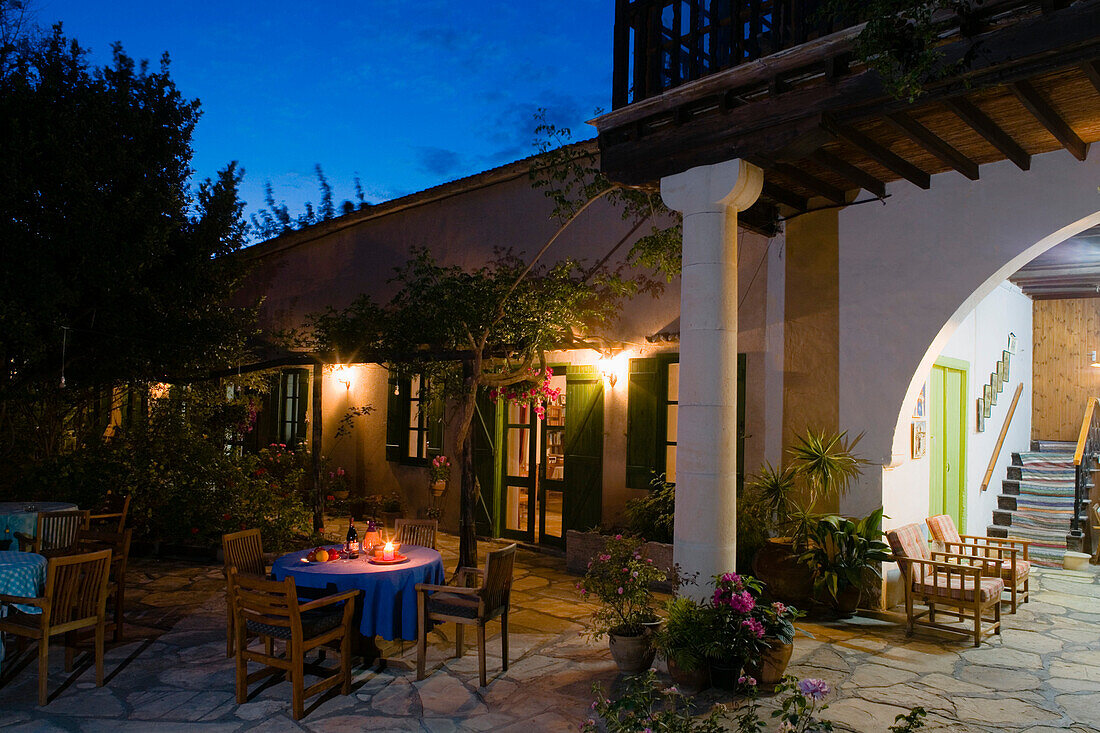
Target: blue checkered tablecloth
[(21, 574), (22, 516)]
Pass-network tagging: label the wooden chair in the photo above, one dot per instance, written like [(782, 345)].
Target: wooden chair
[(951, 580), (416, 531), (111, 516), (55, 534), (244, 551), (1015, 570), (91, 540), (75, 599), (468, 606), (271, 610)]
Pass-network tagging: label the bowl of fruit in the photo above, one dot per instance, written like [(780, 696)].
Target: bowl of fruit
[(322, 554)]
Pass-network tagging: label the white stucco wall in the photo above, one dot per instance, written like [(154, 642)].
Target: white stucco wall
[(912, 270)]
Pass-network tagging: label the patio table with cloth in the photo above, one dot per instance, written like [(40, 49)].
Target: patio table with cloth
[(22, 516), (389, 591), (21, 574)]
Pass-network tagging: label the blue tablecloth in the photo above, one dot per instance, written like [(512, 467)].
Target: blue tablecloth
[(15, 517), (21, 574), (389, 591)]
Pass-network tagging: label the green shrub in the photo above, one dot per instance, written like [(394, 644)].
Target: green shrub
[(653, 516)]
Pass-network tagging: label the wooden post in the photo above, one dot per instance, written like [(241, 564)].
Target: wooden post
[(467, 532), (315, 446)]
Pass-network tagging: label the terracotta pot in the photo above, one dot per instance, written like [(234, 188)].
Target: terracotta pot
[(633, 654), (341, 495), (724, 674), (769, 669), (438, 487), (787, 579), (689, 680)]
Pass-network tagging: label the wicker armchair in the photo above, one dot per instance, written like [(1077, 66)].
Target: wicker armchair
[(468, 606), (946, 579), (1015, 568)]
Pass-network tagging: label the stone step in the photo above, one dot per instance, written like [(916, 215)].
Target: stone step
[(1003, 518), (1007, 501), (1053, 446), (1010, 487)]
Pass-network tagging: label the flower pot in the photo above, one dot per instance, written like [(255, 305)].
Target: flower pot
[(769, 669), (341, 495), (633, 654), (787, 579), (388, 518), (725, 673), (689, 680), (438, 487), (847, 601)]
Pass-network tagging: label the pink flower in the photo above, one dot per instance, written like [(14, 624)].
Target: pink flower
[(755, 627), (620, 587), (747, 680), (339, 472), (618, 536), (779, 608), (813, 688)]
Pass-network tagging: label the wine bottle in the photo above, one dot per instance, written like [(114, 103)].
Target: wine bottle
[(353, 540)]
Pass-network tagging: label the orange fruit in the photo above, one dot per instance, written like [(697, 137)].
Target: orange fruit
[(322, 556)]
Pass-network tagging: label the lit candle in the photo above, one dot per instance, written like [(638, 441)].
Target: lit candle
[(387, 551)]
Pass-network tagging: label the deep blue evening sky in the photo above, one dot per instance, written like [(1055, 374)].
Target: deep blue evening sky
[(406, 94)]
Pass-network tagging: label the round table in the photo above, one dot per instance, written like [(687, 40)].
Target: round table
[(389, 591), (21, 574), (22, 516)]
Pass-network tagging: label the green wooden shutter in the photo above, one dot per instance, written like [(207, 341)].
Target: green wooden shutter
[(641, 422), (301, 377), (267, 424), (436, 423), (397, 411), (583, 502)]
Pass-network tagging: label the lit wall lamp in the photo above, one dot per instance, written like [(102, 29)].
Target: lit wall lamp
[(343, 375), (613, 366)]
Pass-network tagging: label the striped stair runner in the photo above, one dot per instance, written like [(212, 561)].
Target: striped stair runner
[(1036, 502)]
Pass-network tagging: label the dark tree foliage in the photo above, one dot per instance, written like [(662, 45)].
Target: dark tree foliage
[(115, 269), (275, 218)]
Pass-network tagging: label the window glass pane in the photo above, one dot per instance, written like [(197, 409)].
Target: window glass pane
[(671, 412), (670, 463), (414, 387), (555, 409), (555, 455), (674, 382), (414, 444), (518, 451), (554, 501), (519, 414), (517, 509)]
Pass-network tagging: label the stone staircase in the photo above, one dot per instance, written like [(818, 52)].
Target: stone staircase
[(1036, 500)]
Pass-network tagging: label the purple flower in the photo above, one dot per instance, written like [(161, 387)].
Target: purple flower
[(747, 680), (756, 628), (620, 590), (813, 688), (742, 602)]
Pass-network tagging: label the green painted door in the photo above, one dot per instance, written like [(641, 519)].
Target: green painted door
[(947, 449), (583, 484)]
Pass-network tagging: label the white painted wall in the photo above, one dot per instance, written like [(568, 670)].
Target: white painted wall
[(910, 273)]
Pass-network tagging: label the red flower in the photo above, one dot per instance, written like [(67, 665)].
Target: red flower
[(194, 530), (330, 497), (226, 516)]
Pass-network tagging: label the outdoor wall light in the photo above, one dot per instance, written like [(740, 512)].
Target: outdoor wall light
[(343, 374), (612, 366)]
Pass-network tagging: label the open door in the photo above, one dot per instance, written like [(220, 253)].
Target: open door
[(947, 413)]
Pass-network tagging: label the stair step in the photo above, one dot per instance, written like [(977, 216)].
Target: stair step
[(996, 531), (1014, 473), (1003, 517), (1053, 446), (1010, 487), (1007, 501)]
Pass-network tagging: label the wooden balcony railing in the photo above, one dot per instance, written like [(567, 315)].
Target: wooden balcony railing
[(660, 44)]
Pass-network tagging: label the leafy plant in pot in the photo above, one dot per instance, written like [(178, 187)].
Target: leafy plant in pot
[(778, 621), (684, 640), (840, 553), (619, 578), (821, 468), (736, 635)]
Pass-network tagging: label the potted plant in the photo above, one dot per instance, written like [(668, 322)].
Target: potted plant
[(736, 635), (619, 578), (821, 468), (683, 642), (438, 474), (840, 552), (392, 507), (338, 483), (778, 620)]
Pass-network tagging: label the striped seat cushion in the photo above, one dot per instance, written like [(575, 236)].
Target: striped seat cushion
[(943, 529), (1023, 569), (959, 588)]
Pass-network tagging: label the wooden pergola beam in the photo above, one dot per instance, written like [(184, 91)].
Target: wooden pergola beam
[(934, 144), (1042, 110), (1092, 71), (879, 153), (781, 195), (844, 169), (809, 181), (981, 123)]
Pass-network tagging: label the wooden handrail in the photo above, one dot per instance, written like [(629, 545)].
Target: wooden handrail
[(1082, 437), (1001, 440)]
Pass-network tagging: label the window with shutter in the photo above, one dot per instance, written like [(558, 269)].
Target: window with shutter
[(414, 421), (641, 423)]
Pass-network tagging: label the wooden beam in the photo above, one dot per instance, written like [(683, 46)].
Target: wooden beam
[(845, 169), (809, 181), (1092, 71), (934, 144), (1042, 110), (878, 152), (988, 129), (782, 196)]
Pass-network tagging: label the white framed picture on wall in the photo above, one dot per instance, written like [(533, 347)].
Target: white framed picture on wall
[(980, 425)]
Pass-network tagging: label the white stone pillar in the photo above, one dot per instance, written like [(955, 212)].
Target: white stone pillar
[(709, 198)]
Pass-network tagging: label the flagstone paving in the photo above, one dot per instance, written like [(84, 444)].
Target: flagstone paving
[(1041, 675)]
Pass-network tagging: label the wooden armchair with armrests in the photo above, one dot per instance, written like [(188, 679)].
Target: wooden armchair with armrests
[(111, 515), (55, 534), (1015, 568), (244, 551), (416, 531), (91, 540), (468, 606)]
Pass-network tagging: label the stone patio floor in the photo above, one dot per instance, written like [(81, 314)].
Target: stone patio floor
[(1041, 675)]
